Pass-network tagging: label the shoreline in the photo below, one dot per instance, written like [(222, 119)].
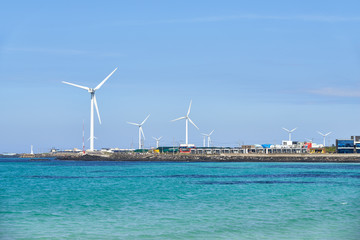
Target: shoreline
[(316, 158), (120, 157)]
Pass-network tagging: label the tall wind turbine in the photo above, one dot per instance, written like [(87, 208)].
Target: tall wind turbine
[(157, 141), (208, 138), (141, 132), (324, 136), (93, 102), (290, 131), (187, 118)]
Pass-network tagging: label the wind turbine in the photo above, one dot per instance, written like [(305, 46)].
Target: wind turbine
[(93, 102), (32, 150), (208, 137), (290, 131), (187, 118), (157, 141), (141, 132), (324, 136)]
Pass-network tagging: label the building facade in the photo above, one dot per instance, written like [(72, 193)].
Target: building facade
[(348, 145)]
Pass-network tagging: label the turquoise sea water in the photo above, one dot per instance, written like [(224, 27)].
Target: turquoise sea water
[(157, 200)]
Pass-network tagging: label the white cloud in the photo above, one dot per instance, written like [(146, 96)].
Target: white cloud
[(53, 51), (312, 18), (336, 92), (304, 18)]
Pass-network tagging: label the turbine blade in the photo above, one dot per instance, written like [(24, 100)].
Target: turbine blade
[(293, 129), (136, 124), (75, 85), (193, 123), (97, 109), (211, 132), (142, 132), (189, 108), (328, 134), (286, 129), (160, 138), (321, 133), (103, 81), (154, 138), (145, 119), (178, 119)]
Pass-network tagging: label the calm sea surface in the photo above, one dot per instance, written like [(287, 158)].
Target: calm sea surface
[(156, 200)]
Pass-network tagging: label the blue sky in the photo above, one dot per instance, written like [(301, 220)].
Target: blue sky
[(250, 67)]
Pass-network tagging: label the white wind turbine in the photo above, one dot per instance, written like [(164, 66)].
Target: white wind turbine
[(157, 141), (93, 102), (324, 136), (290, 131), (187, 118), (208, 138), (141, 132)]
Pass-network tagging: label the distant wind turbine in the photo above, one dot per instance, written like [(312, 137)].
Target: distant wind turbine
[(141, 132), (157, 141), (187, 118), (290, 131), (208, 138), (324, 136), (32, 150), (93, 102)]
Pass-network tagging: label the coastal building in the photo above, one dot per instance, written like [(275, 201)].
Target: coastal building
[(186, 148), (168, 149), (54, 150), (351, 145)]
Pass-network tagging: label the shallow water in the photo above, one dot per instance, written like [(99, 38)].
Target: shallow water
[(159, 200)]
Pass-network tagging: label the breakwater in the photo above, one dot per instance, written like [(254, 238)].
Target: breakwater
[(345, 158)]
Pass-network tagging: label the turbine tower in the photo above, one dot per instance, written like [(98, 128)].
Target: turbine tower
[(141, 132), (290, 131), (187, 120), (157, 141), (93, 102), (204, 140), (208, 138), (324, 136), (32, 150)]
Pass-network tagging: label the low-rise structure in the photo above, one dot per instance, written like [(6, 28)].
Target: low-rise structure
[(351, 145)]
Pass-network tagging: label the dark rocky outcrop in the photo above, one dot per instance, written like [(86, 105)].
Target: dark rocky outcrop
[(354, 158)]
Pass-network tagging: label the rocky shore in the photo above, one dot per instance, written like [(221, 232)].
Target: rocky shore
[(345, 158)]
